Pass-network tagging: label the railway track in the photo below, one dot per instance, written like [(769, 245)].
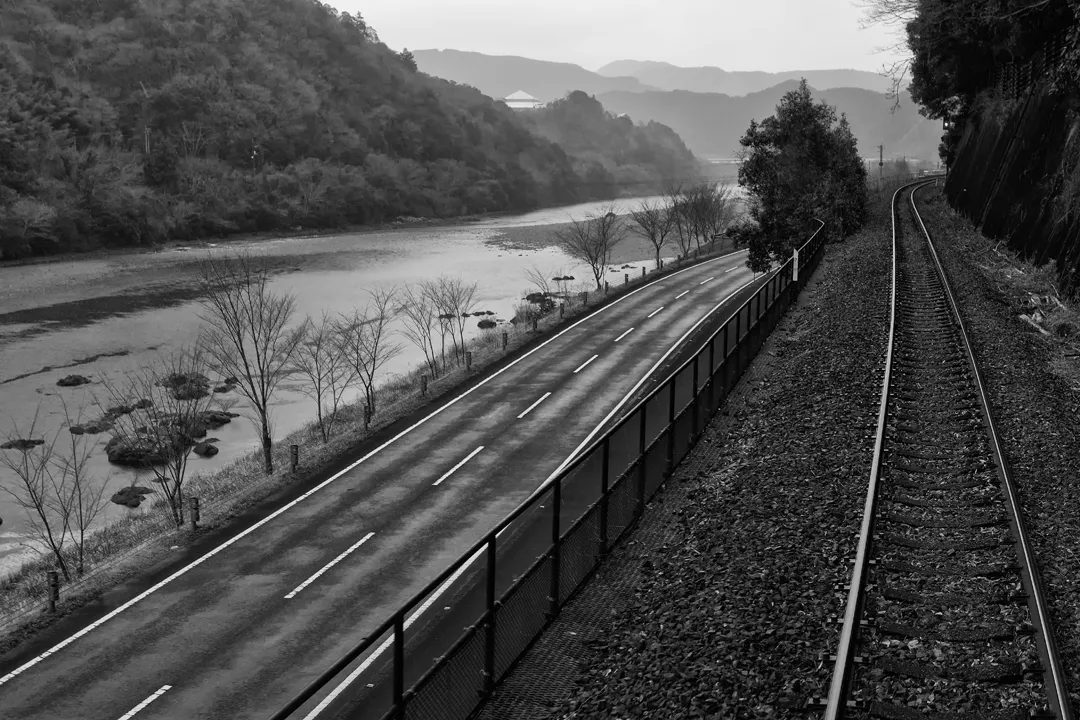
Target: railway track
[(945, 614)]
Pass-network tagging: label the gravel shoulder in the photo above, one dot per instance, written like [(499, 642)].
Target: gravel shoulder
[(719, 604), (1033, 380)]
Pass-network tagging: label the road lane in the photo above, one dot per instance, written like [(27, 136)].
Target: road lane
[(221, 634)]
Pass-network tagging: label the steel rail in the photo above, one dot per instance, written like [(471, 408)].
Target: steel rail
[(841, 677), (1057, 693)]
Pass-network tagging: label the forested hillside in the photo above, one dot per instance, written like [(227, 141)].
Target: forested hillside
[(610, 152), (127, 123)]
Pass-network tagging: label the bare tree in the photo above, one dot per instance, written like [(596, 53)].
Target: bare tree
[(159, 412), (325, 370), (81, 496), (593, 239), (30, 461), (460, 300), (681, 215), (248, 334), (419, 322), (653, 221), (365, 339), (435, 293)]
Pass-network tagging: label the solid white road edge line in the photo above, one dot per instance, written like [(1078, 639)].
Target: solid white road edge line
[(328, 565), (133, 711), (624, 334), (584, 364), (731, 270), (655, 311), (457, 467), (239, 536), (351, 678), (529, 409)]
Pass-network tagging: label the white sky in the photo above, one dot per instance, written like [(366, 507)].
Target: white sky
[(771, 35)]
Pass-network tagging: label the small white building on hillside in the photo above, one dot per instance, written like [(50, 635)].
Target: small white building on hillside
[(522, 100)]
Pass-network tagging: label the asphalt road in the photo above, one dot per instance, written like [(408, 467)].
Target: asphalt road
[(237, 632)]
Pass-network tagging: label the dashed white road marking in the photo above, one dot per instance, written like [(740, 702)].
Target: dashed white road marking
[(624, 334), (351, 678), (135, 710), (731, 270), (530, 408), (656, 311), (288, 506), (454, 469), (681, 294), (329, 565), (585, 364), (712, 278)]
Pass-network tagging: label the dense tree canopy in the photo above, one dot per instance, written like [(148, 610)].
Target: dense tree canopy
[(798, 165), (127, 123)]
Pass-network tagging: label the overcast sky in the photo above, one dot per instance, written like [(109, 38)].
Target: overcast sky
[(771, 35)]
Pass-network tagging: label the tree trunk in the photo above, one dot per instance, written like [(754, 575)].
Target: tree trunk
[(268, 458)]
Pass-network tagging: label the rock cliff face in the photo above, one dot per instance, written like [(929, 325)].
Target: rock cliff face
[(1017, 176)]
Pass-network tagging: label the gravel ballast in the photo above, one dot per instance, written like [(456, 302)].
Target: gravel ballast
[(1031, 379), (721, 602)]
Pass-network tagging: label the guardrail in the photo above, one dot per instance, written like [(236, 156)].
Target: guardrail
[(587, 507)]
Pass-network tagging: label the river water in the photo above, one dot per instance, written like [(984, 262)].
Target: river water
[(105, 316)]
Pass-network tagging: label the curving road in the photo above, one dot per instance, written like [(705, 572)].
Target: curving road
[(236, 632)]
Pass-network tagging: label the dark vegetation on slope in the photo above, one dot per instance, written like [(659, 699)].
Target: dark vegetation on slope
[(126, 124)]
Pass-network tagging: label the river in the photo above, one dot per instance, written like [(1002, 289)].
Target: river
[(106, 316)]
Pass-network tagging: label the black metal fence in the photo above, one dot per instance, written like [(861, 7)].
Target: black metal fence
[(558, 537)]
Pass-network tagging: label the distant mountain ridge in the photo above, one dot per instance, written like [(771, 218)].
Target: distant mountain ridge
[(500, 75), (711, 124), (665, 76)]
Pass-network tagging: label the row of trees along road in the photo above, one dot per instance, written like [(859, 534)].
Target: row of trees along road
[(252, 338), (691, 216), (799, 165)]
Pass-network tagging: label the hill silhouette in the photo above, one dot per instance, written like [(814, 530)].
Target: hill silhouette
[(500, 75), (128, 123), (665, 76)]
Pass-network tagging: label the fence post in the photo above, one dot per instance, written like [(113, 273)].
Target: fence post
[(585, 298), (468, 359), (562, 310), (642, 271), (423, 385), (626, 278), (605, 287), (671, 428), (294, 457), (489, 636), (639, 506), (553, 599), (535, 321), (399, 665), (605, 466), (54, 589), (193, 511), (694, 412), (506, 339)]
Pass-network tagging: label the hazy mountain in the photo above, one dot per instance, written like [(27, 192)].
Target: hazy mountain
[(500, 75), (665, 76), (711, 123)]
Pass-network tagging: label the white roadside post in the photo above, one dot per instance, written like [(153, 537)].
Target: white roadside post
[(795, 265)]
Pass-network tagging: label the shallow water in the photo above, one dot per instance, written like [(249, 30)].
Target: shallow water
[(107, 316)]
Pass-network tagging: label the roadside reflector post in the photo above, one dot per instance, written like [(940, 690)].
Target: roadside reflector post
[(468, 359), (535, 323), (54, 589), (626, 278), (367, 416), (294, 455), (642, 271), (193, 510), (795, 265), (423, 381), (506, 339), (585, 298), (605, 287), (562, 310)]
